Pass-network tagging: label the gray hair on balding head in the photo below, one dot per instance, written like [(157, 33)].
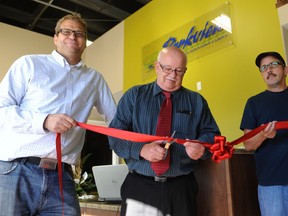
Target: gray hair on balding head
[(174, 49)]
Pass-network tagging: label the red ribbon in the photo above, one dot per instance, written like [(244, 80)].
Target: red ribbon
[(220, 149), (59, 165)]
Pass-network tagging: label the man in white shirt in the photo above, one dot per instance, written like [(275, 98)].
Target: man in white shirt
[(42, 95)]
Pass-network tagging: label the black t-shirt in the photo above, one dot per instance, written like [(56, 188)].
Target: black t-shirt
[(272, 156)]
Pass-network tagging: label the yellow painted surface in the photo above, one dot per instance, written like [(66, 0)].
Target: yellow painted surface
[(229, 76)]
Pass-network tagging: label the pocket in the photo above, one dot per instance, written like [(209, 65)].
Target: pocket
[(183, 124), (7, 167)]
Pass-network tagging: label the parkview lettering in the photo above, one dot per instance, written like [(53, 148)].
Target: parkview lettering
[(194, 36), (197, 38)]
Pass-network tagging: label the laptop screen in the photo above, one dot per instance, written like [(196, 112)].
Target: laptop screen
[(108, 180)]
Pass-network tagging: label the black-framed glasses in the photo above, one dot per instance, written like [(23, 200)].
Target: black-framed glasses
[(167, 69), (274, 64), (68, 32)]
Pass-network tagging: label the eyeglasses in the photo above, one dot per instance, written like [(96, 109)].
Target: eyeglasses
[(68, 32), (169, 70), (271, 64)]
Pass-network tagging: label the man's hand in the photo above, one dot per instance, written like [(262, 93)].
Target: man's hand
[(194, 150), (270, 131), (59, 123), (153, 152), (256, 141)]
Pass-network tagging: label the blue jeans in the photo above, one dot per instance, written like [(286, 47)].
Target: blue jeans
[(26, 189), (273, 200)]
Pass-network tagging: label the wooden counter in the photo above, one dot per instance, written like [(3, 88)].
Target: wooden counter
[(225, 189), (89, 208), (228, 188)]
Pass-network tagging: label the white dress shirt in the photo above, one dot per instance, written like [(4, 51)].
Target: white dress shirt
[(38, 85)]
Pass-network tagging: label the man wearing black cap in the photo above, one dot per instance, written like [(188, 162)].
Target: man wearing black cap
[(271, 146)]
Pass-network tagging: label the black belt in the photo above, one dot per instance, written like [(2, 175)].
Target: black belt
[(155, 178), (45, 163)]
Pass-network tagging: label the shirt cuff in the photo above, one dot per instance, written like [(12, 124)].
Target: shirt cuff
[(135, 150), (38, 123)]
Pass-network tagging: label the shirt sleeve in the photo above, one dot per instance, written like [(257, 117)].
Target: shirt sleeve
[(123, 120), (208, 126), (12, 90), (105, 104), (248, 119), (208, 129)]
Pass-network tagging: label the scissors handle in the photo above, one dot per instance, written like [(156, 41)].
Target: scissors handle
[(167, 145)]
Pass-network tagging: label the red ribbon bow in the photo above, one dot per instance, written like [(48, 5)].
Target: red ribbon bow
[(220, 149)]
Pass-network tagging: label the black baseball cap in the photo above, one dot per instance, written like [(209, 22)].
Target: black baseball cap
[(264, 54)]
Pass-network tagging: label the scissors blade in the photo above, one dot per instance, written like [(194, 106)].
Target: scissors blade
[(172, 135)]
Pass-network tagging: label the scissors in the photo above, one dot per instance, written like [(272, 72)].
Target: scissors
[(167, 145)]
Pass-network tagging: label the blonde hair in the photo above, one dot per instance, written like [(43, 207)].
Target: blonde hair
[(74, 17)]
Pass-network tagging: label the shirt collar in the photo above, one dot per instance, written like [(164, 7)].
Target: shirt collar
[(157, 90), (62, 61)]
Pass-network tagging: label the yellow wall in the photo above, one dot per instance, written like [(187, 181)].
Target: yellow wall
[(228, 76)]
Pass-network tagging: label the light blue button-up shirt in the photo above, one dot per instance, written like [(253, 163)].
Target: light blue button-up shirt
[(38, 85)]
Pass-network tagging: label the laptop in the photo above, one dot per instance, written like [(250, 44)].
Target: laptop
[(108, 180)]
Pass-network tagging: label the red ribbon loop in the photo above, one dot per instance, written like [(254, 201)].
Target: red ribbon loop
[(220, 149)]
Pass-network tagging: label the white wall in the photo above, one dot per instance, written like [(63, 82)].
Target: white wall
[(106, 55), (15, 42)]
